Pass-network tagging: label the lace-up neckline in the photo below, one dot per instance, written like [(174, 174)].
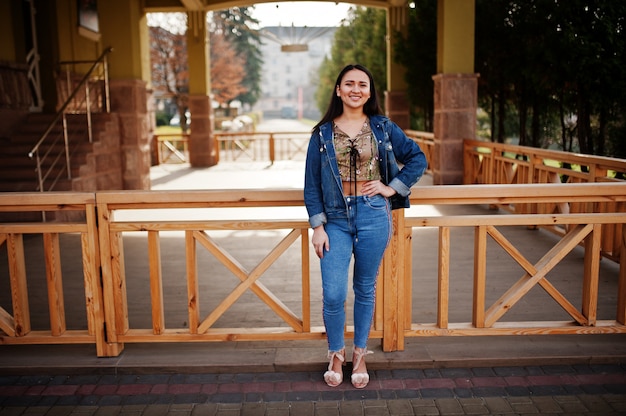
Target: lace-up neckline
[(357, 157)]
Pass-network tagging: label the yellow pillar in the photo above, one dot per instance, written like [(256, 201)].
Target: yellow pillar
[(202, 149), (396, 103), (455, 87), (9, 15), (455, 36), (124, 27)]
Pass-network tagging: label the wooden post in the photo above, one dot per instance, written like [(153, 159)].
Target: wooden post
[(443, 277), (109, 345), (272, 146), (306, 281), (621, 287), (156, 283), (393, 300), (54, 277), (19, 290), (591, 272), (480, 273), (193, 291)]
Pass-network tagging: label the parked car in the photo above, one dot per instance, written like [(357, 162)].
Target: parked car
[(175, 121), (288, 112), (239, 123)]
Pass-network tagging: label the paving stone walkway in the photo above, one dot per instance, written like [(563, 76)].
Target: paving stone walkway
[(559, 389)]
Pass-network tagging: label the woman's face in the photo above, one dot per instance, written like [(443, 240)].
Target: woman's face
[(354, 89)]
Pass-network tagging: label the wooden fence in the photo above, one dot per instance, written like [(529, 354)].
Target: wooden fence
[(496, 163), (257, 146), (186, 222), (236, 147)]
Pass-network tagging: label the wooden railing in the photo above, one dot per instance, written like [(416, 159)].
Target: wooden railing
[(257, 146), (426, 142), (15, 313), (496, 163), (132, 295), (489, 163), (171, 148), (238, 147), (246, 147)]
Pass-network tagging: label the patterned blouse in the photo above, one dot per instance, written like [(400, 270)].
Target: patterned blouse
[(357, 158)]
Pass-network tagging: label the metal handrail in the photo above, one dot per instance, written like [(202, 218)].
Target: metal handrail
[(102, 60)]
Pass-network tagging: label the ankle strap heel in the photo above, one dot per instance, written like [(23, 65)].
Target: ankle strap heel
[(359, 380), (333, 378)]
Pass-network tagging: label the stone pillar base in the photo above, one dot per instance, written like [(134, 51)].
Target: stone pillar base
[(129, 99), (397, 108), (202, 143), (456, 101)]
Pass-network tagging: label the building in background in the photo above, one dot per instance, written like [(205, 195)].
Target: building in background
[(292, 57)]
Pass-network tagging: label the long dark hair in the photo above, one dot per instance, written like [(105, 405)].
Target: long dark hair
[(335, 108)]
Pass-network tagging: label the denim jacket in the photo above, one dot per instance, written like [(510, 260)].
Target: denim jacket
[(323, 190)]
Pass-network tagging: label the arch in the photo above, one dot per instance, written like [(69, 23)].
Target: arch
[(123, 26), (455, 82)]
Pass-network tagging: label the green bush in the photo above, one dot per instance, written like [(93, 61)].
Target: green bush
[(162, 119)]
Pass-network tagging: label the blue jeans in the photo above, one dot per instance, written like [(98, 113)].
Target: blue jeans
[(364, 233)]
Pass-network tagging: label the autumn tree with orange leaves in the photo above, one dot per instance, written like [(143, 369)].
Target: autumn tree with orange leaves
[(170, 71), (227, 70)]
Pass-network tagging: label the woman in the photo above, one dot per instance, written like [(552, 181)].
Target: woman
[(352, 182)]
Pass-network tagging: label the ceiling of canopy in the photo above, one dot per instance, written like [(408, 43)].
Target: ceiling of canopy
[(153, 6)]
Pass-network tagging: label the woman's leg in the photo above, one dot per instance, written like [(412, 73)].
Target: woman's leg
[(373, 230), (334, 268)]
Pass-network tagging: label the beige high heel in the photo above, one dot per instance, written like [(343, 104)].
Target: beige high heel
[(359, 380), (332, 378)]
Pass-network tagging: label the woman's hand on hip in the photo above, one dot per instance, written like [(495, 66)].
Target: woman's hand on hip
[(320, 241), (376, 187)]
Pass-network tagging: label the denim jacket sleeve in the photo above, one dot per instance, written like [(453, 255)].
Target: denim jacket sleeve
[(409, 154), (403, 162), (313, 197)]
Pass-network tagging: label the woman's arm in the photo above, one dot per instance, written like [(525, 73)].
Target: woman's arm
[(313, 198)]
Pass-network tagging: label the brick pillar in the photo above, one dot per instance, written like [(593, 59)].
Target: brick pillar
[(129, 99), (202, 146), (455, 120), (397, 108)]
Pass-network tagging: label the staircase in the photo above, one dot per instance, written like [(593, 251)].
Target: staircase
[(93, 166)]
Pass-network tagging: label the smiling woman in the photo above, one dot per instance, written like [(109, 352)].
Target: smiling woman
[(352, 182)]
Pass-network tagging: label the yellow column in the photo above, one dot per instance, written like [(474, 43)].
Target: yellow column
[(396, 103), (124, 27), (202, 149), (8, 15), (455, 36), (455, 87)]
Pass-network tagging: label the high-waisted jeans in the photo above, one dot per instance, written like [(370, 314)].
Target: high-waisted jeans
[(364, 233)]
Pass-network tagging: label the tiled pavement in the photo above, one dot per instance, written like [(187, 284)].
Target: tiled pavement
[(559, 389)]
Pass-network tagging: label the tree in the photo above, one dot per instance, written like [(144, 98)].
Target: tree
[(236, 24), (557, 65), (418, 53), (360, 41), (170, 73), (227, 70)]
